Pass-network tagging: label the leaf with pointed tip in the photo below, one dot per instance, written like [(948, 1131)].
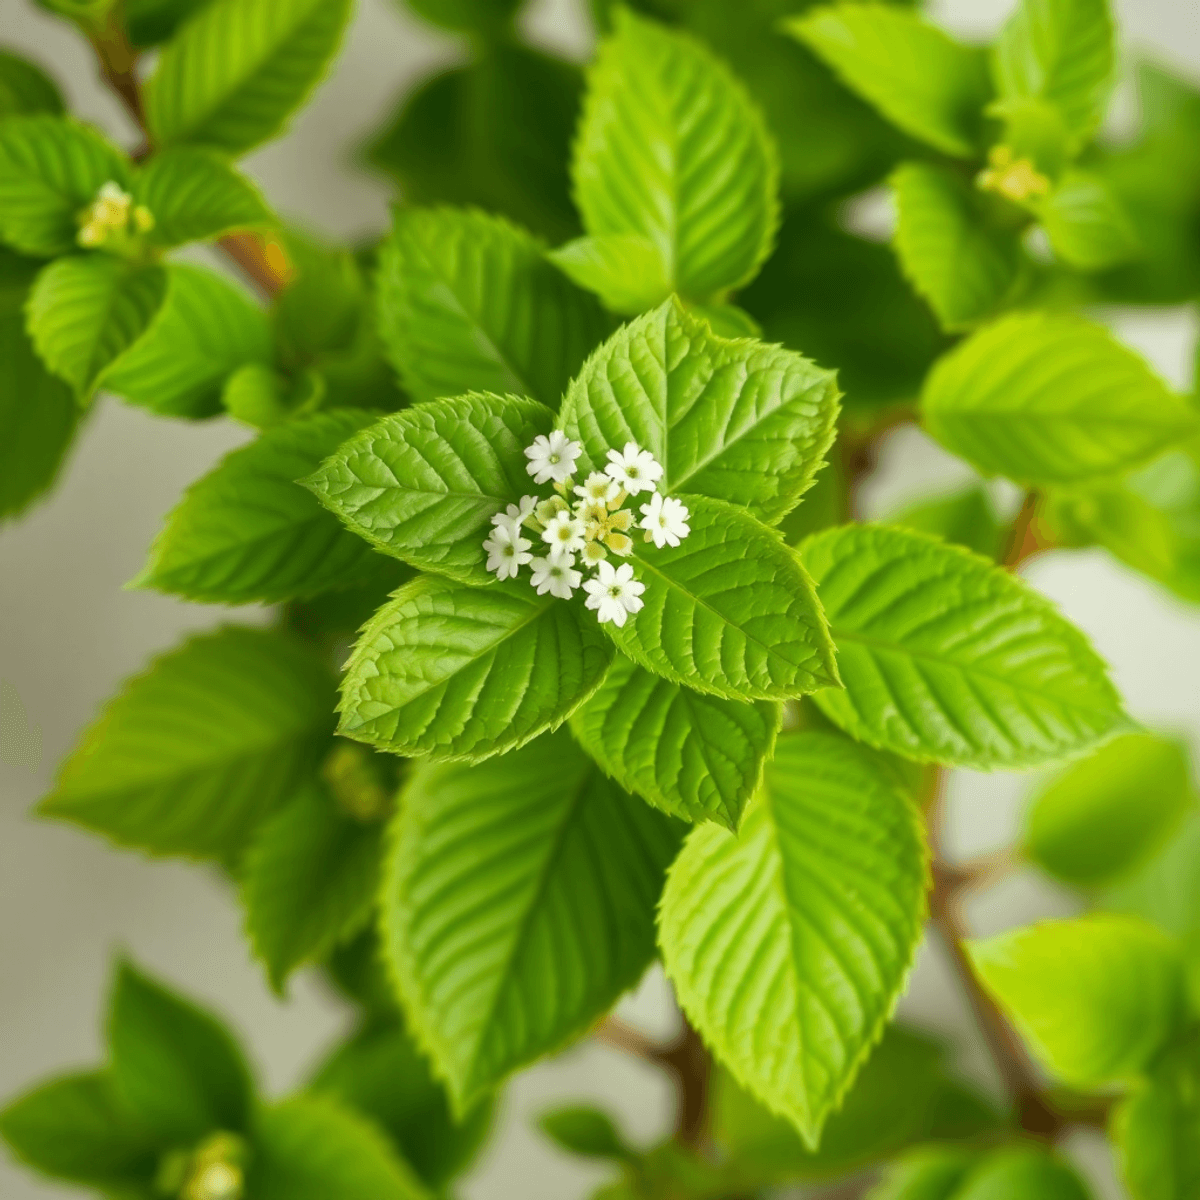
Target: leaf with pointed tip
[(947, 658), (25, 89), (519, 904), (625, 270), (789, 943)]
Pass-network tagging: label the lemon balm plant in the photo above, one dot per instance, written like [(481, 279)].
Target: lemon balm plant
[(581, 658)]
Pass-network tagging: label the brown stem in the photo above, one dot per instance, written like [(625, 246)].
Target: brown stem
[(1024, 539)]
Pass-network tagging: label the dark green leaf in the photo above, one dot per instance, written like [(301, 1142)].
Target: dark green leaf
[(1028, 1172), (25, 89), (152, 21), (931, 1173), (585, 1131)]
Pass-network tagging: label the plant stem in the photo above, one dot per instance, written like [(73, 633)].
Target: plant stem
[(1024, 539)]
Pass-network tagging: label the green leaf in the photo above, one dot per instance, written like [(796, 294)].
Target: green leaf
[(966, 518), (312, 1148), (76, 1127), (731, 611), (789, 944), (323, 303), (671, 149), (1047, 399), (923, 81), (86, 311), (491, 17), (947, 658), (964, 269), (1025, 1171), (247, 531), (519, 905), (1166, 889), (1060, 51), (930, 1173), (175, 1065), (693, 756), (194, 195), (458, 672), (381, 1073), (1096, 998), (25, 89), (625, 270), (588, 1132), (737, 420), (1085, 223), (233, 75), (152, 21), (469, 303), (191, 755), (423, 484), (50, 170), (1103, 817), (205, 330)]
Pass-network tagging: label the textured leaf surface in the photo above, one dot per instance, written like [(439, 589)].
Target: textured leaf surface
[(25, 89), (232, 76), (694, 756), (1051, 399), (671, 149), (947, 658), (1096, 998), (50, 170), (625, 270), (929, 85), (247, 531), (519, 905), (734, 419), (468, 303), (730, 611), (789, 944), (463, 673), (423, 484), (191, 755), (962, 268)]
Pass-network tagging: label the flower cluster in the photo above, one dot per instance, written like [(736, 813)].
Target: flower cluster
[(584, 524), (113, 217)]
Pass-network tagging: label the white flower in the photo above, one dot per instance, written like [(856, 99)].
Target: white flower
[(633, 468), (507, 551), (565, 534), (598, 489), (556, 576), (552, 457), (514, 516), (665, 520), (614, 593)]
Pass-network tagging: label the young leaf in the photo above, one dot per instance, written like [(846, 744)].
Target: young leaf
[(191, 755), (1166, 889), (467, 302), (947, 658), (423, 484), (671, 149), (1085, 223), (1096, 998), (175, 1065), (694, 756), (247, 531), (626, 270), (50, 170), (519, 904), (312, 1148), (730, 611), (1047, 399), (194, 195), (1024, 1171), (929, 1173), (1104, 816), (25, 89), (736, 420), (233, 75), (923, 81), (588, 1132), (76, 1127), (961, 267), (459, 672), (206, 329), (85, 311), (966, 518), (789, 943)]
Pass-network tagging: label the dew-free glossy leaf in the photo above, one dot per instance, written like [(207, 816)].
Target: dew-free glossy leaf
[(189, 756), (1085, 223), (25, 89), (423, 484), (947, 658), (1047, 399), (735, 419), (519, 904), (625, 270), (694, 756), (789, 943), (458, 672)]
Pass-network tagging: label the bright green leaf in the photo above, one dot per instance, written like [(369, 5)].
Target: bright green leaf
[(233, 75), (1166, 889), (966, 518), (25, 89), (519, 905), (789, 943), (191, 755), (627, 271), (1024, 1171), (694, 756), (947, 658), (1096, 998), (930, 1173), (1085, 223), (588, 1132), (1051, 399)]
